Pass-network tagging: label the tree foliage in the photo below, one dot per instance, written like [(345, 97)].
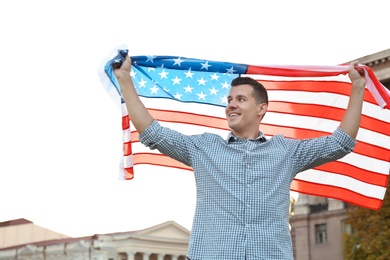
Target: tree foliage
[(370, 237)]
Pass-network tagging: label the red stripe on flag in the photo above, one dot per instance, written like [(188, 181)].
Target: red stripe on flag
[(372, 151), (357, 173), (337, 87), (336, 193), (333, 87), (291, 72), (129, 173), (385, 96), (158, 159), (125, 122), (326, 112), (189, 118), (127, 150)]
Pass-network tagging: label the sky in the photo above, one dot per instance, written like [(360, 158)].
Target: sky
[(61, 137)]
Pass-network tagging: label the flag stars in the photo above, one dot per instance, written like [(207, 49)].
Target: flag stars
[(213, 91), (176, 81), (214, 77), (202, 81), (188, 89), (154, 90), (163, 74), (150, 58), (205, 65), (231, 70), (225, 85), (201, 95), (223, 100), (178, 62), (183, 85), (189, 74), (141, 84), (178, 96)]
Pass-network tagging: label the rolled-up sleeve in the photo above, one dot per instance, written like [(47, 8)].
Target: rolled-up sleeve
[(344, 139), (310, 153), (169, 142), (148, 136)]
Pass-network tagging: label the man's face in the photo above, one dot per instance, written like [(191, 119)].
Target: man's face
[(242, 112)]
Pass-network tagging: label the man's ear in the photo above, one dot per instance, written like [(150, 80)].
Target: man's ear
[(262, 108)]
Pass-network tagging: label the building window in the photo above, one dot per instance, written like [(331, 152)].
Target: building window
[(321, 237), (346, 227)]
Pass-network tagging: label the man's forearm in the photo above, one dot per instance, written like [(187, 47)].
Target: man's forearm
[(139, 115), (351, 120)]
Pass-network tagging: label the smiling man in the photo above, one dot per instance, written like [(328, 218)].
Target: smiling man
[(243, 182), (246, 106)]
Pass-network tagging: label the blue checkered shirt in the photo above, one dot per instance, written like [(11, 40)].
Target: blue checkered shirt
[(243, 188)]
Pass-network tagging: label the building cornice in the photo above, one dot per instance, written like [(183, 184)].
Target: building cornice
[(380, 63)]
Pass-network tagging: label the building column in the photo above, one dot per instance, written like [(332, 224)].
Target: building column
[(130, 255), (174, 257), (146, 255), (160, 257)]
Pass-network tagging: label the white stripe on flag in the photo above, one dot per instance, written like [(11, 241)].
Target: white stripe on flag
[(342, 181)]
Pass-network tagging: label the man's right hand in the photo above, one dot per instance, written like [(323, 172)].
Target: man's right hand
[(123, 72), (138, 113)]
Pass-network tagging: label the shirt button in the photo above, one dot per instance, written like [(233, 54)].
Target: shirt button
[(247, 205), (248, 186), (246, 225)]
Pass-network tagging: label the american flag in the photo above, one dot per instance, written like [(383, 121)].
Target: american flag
[(189, 95)]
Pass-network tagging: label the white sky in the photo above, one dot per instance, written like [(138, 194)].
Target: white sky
[(60, 138)]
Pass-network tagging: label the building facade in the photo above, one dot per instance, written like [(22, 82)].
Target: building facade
[(318, 224), (166, 241), (317, 228)]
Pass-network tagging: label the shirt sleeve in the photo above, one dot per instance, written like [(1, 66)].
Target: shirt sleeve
[(310, 153), (169, 142)]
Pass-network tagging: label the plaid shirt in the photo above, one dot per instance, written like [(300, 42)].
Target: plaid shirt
[(243, 188)]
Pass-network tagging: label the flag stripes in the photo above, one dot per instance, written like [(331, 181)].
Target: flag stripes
[(335, 192), (373, 158), (364, 148)]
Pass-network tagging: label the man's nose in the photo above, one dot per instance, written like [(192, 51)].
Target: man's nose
[(232, 104)]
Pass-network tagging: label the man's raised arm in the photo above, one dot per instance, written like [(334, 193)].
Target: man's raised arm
[(351, 120), (139, 115)]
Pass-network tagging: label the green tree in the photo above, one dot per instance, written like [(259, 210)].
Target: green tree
[(370, 237)]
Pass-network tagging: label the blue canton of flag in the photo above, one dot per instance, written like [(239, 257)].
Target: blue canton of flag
[(183, 80)]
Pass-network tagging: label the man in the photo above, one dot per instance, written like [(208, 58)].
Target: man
[(243, 182)]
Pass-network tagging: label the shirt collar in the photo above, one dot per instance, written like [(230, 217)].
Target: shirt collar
[(231, 138)]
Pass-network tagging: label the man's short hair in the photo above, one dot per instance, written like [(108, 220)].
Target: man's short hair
[(259, 91)]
